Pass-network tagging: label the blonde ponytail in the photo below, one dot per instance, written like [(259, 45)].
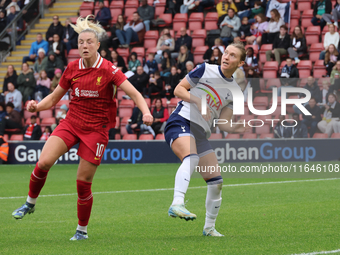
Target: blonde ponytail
[(85, 25)]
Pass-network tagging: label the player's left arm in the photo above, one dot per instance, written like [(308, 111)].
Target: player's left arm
[(237, 127), (132, 92)]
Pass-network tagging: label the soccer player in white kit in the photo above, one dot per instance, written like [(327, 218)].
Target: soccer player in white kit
[(187, 130)]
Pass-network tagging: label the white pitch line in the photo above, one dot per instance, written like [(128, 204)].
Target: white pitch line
[(319, 252), (167, 189)]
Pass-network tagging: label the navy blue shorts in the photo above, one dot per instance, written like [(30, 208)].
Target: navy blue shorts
[(177, 126)]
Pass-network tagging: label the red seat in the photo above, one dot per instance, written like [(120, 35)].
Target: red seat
[(106, 4), (215, 136), (125, 112), (196, 20), (47, 122), (17, 137), (27, 114), (74, 53), (264, 48), (117, 136), (211, 21), (255, 48), (118, 4), (128, 11), (160, 137), (304, 67), (270, 69), (126, 103), (319, 69), (320, 136), (28, 121), (87, 6), (61, 102), (174, 101), (46, 114), (151, 50), (150, 39), (304, 5), (295, 14), (160, 9), (198, 37), (266, 136), (249, 136), (233, 136), (313, 34), (115, 12), (130, 137), (335, 135), (146, 137), (307, 16), (270, 84), (293, 23), (199, 53), (265, 129), (180, 20), (167, 17), (120, 94), (260, 101), (139, 50), (117, 122), (85, 13), (315, 50)]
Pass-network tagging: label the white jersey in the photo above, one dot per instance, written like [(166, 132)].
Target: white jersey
[(208, 81)]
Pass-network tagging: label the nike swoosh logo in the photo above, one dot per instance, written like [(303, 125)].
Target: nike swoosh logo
[(95, 158), (76, 79), (217, 207), (81, 204), (186, 180)]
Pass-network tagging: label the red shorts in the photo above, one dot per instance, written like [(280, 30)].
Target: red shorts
[(92, 144)]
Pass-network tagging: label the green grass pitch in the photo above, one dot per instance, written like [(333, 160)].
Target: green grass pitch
[(276, 218)]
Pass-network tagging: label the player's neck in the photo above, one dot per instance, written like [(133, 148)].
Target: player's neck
[(89, 62), (228, 74)]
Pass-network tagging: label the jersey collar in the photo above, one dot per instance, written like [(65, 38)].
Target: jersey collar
[(97, 64), (227, 79)]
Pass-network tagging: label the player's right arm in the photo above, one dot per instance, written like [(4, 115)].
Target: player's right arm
[(49, 101)]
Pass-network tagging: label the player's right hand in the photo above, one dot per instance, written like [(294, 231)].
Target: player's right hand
[(147, 119), (32, 106)]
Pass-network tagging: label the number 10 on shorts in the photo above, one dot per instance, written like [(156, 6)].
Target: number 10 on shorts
[(100, 150)]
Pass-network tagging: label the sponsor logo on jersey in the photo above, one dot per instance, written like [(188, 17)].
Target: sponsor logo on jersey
[(77, 92), (86, 93), (183, 128), (210, 95), (115, 69), (95, 158), (99, 80)]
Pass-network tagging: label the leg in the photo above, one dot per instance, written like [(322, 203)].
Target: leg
[(322, 55), (313, 128), (121, 36), (25, 59), (147, 25), (278, 53), (268, 55), (322, 126), (336, 15), (315, 21), (327, 17), (128, 34), (184, 8), (329, 128), (336, 126)]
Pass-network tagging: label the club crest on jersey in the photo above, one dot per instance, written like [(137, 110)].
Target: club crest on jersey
[(211, 100), (99, 80)]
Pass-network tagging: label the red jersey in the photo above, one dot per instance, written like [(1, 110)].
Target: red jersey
[(93, 105)]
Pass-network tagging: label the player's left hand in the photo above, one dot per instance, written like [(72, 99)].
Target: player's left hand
[(147, 119)]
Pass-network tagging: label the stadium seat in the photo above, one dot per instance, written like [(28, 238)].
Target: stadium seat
[(27, 114), (46, 114), (114, 13), (336, 135), (295, 14), (117, 4), (117, 122), (180, 20), (265, 129), (215, 136), (320, 136), (233, 136), (167, 17), (249, 136), (267, 136), (199, 53), (6, 137), (306, 16), (304, 5), (314, 51), (270, 69), (28, 121), (117, 137), (160, 137), (255, 48), (130, 137), (293, 23), (74, 53), (260, 101), (145, 137), (304, 67), (125, 112), (130, 7), (319, 69), (85, 13), (126, 103), (211, 21), (106, 4), (264, 48), (270, 84), (196, 20), (18, 137), (313, 34), (198, 37), (61, 102), (151, 50), (160, 8), (47, 122), (120, 94), (289, 107), (140, 51), (87, 6), (174, 101), (150, 39)]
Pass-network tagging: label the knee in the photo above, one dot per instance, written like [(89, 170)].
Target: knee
[(45, 164)]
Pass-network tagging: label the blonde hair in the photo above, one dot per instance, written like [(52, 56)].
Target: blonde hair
[(85, 25)]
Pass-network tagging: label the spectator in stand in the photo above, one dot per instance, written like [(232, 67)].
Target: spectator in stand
[(140, 80), (167, 63), (113, 39), (40, 64), (4, 3), (12, 120), (26, 82), (56, 79), (11, 16), (257, 29), (250, 62), (330, 116), (230, 27), (204, 4), (69, 37), (298, 45), (245, 28), (3, 112), (274, 26), (11, 77), (31, 12), (331, 37), (165, 42), (146, 13), (43, 84), (170, 83), (320, 8), (335, 15), (61, 114), (217, 44), (312, 121), (160, 116), (58, 48), (151, 63), (134, 31), (16, 6), (189, 5), (281, 131), (251, 13), (118, 61), (53, 63), (3, 21), (40, 43), (33, 130), (314, 90), (289, 75), (47, 133), (324, 93), (184, 39), (14, 96), (136, 123), (280, 45), (189, 66), (103, 15), (223, 7), (184, 56), (331, 57), (55, 28), (299, 130), (335, 71), (216, 57), (105, 54), (133, 62), (155, 84)]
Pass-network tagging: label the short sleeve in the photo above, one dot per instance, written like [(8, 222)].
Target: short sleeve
[(195, 75), (118, 77), (65, 80)]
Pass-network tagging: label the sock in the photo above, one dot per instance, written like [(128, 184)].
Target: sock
[(84, 204), (82, 228), (213, 200), (182, 178), (37, 181)]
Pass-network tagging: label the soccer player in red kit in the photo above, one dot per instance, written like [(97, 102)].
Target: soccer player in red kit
[(92, 112)]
